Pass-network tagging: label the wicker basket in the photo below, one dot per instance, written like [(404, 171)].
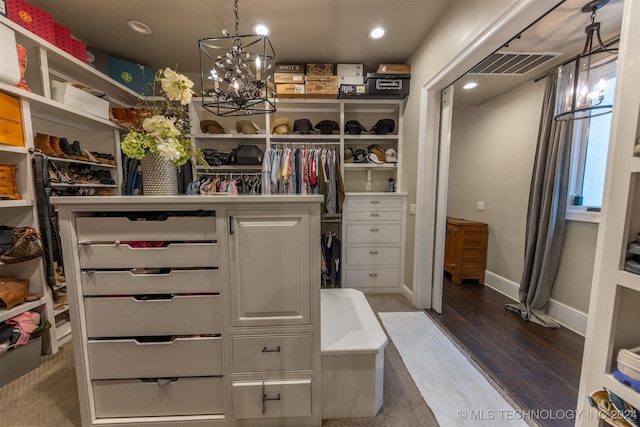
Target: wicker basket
[(8, 182)]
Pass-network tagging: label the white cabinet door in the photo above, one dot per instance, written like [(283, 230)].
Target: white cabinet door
[(269, 263)]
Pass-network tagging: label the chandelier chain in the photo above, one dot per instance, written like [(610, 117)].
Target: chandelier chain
[(235, 11)]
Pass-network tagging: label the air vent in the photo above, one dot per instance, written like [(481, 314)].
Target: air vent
[(517, 63)]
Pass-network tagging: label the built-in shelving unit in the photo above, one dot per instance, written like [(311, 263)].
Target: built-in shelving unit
[(614, 314)]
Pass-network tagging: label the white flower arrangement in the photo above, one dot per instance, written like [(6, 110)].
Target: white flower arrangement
[(165, 132)]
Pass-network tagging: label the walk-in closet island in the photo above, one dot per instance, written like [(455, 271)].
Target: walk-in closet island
[(195, 310)]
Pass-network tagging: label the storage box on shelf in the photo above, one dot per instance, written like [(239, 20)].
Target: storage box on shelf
[(615, 294)]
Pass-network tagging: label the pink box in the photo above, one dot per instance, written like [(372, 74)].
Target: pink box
[(79, 50), (32, 18), (63, 37)]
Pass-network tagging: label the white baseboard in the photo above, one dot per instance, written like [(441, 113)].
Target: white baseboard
[(407, 292), (568, 317)]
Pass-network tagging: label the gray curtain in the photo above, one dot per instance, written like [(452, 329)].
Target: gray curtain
[(546, 213)]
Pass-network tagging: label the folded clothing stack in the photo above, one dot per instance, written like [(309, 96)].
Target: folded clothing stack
[(632, 263)]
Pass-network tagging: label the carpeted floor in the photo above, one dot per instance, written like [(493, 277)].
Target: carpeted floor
[(48, 396)]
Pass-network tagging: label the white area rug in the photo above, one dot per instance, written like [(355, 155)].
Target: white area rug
[(457, 393)]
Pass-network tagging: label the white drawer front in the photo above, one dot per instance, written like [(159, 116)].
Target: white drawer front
[(367, 202), (249, 399), (374, 233), (181, 357), (124, 256), (109, 229), (135, 398), (373, 278), (373, 256), (128, 283), (271, 353), (373, 215), (127, 316)]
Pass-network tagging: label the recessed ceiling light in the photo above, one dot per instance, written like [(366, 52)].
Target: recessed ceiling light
[(470, 85), (261, 30), (377, 33), (139, 27)]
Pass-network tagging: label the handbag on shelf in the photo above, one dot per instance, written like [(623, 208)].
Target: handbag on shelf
[(246, 154), (24, 244), (12, 291)]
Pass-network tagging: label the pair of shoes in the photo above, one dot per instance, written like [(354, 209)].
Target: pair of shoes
[(104, 176), (107, 159), (600, 400), (68, 149), (43, 143), (58, 174)]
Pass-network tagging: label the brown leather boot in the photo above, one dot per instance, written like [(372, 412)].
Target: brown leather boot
[(55, 144), (43, 143)]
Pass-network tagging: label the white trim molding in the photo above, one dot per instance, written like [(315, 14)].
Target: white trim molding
[(568, 317)]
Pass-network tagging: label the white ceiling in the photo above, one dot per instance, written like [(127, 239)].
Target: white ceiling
[(332, 31)]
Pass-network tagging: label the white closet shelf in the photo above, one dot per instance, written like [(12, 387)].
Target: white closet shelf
[(622, 390), (16, 203), (82, 162), (228, 136), (19, 309), (59, 184), (370, 165)]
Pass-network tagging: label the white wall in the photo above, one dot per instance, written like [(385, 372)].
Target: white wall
[(462, 24), (492, 152)]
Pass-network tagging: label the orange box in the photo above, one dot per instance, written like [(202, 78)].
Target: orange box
[(394, 68), (288, 78), (290, 90), (10, 121), (32, 18)]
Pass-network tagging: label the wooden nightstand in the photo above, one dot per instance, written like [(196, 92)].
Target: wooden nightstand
[(465, 250)]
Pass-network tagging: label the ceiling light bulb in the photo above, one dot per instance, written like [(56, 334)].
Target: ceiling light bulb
[(261, 30), (139, 27), (470, 85), (377, 33)]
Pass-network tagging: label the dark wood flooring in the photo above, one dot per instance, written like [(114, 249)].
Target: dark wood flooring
[(538, 367)]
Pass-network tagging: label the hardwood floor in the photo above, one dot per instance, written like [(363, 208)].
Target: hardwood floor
[(537, 366)]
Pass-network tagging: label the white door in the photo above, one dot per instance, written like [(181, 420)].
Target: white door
[(270, 267), (446, 113)]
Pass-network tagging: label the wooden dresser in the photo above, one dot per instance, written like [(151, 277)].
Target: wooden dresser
[(465, 250)]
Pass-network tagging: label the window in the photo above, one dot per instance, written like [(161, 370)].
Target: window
[(589, 161)]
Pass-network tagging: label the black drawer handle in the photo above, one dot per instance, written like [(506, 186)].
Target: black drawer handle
[(271, 350), (375, 230), (375, 215), (266, 398), (373, 274), (373, 252), (375, 202)]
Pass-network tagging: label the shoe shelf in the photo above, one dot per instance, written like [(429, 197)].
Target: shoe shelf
[(17, 203), (61, 185), (81, 162)]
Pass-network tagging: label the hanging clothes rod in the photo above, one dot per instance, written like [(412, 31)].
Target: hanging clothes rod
[(230, 174), (303, 144)]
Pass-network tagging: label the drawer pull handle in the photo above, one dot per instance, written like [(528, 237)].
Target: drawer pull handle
[(271, 350), (230, 225), (265, 398), (374, 215), (373, 274), (375, 230), (375, 202), (373, 252)]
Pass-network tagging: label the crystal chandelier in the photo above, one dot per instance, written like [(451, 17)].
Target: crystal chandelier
[(236, 73), (582, 81)]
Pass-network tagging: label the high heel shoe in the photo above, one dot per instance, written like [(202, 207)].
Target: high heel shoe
[(53, 175), (63, 175), (43, 143)]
